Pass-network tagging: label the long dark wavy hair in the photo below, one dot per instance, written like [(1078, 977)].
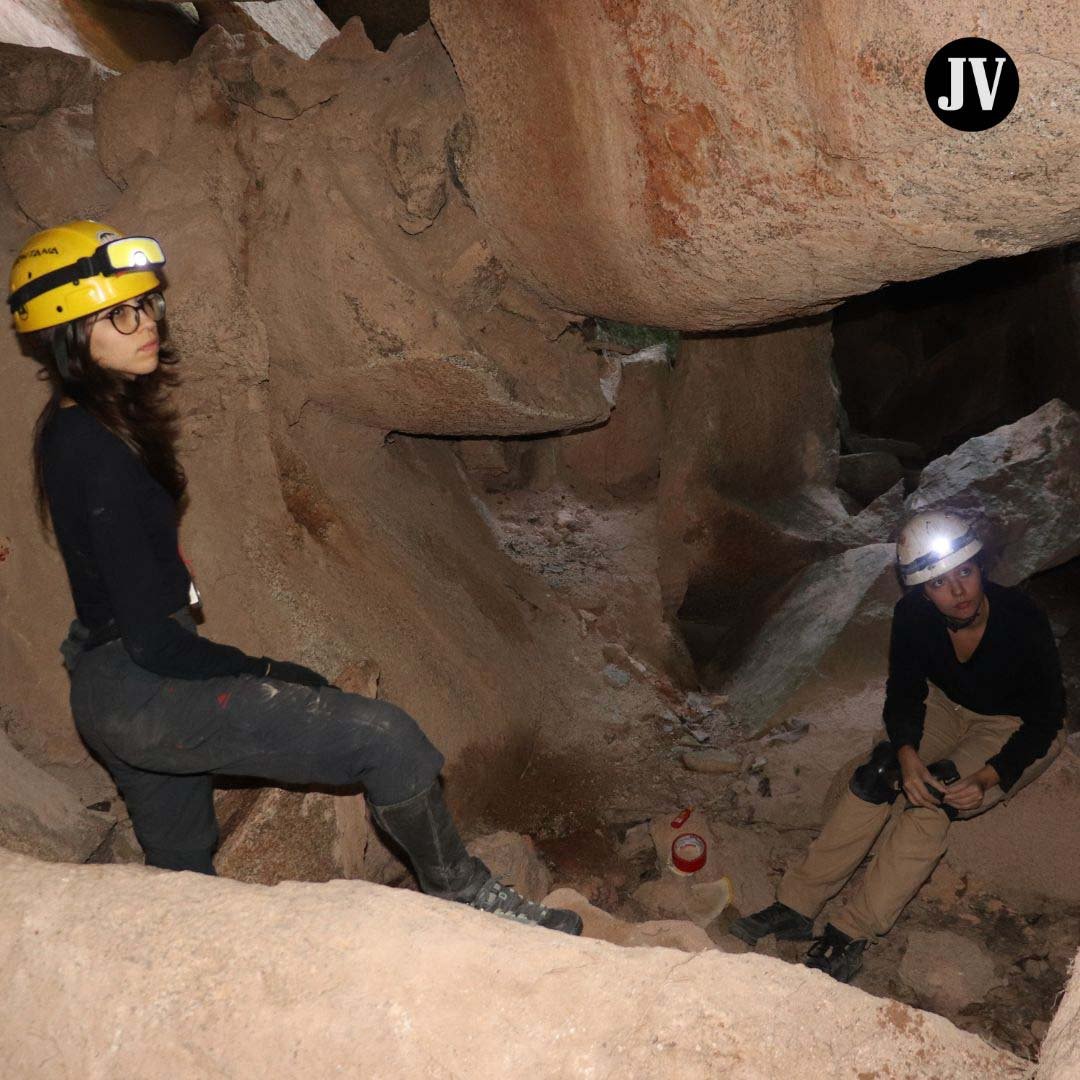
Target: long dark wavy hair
[(135, 410)]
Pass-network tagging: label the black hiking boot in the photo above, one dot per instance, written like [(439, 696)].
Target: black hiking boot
[(836, 954), (786, 923), (507, 903), (424, 830)]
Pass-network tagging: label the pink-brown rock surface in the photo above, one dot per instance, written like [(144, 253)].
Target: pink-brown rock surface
[(34, 82), (946, 970), (678, 934), (512, 858), (124, 971), (622, 455), (273, 834), (41, 816), (725, 164), (1014, 852), (327, 208), (745, 496)]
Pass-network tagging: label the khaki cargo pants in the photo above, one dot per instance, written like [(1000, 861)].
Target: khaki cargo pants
[(916, 837)]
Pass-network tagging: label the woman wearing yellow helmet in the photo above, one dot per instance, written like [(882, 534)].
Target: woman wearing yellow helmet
[(87, 305), (162, 707), (973, 711)]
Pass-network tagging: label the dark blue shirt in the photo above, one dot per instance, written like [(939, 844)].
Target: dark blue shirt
[(1014, 671), (116, 527)]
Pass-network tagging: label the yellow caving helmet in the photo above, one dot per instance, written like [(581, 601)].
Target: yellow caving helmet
[(76, 269)]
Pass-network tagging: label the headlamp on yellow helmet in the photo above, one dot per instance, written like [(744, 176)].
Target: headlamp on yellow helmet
[(79, 268)]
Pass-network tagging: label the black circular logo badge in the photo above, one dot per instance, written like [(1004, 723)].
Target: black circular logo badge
[(971, 84)]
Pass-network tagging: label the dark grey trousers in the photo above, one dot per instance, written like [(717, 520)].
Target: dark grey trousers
[(163, 739)]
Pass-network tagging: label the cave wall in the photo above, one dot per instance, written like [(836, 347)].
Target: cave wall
[(326, 524), (748, 465), (343, 275)]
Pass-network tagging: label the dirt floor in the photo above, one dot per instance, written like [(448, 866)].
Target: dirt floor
[(588, 818)]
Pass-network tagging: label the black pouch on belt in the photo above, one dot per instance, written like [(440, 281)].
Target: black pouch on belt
[(79, 640)]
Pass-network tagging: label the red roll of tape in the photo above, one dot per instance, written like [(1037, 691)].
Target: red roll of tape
[(688, 852)]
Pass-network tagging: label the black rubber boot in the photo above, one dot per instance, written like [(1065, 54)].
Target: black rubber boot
[(836, 954), (424, 830), (786, 923)]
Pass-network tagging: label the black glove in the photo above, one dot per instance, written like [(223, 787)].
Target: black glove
[(287, 671)]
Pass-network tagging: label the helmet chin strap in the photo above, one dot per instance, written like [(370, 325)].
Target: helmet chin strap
[(963, 624)]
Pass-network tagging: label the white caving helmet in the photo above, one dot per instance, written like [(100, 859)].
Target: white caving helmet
[(933, 543)]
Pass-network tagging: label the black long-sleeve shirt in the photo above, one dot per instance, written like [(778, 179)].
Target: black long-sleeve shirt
[(1014, 671), (116, 528)]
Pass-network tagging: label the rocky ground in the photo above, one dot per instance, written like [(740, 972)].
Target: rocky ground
[(987, 942), (991, 955)]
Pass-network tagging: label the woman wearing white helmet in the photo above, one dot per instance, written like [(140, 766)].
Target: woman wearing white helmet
[(973, 712), (163, 708)]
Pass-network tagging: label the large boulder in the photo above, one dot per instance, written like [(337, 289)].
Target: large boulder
[(274, 834), (420, 327), (367, 230), (301, 26), (622, 455), (787, 650), (1024, 479), (341, 978), (947, 971), (596, 923), (866, 476), (41, 816), (512, 858), (725, 165), (1021, 482)]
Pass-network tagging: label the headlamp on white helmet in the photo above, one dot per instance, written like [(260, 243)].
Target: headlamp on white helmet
[(933, 543), (942, 545)]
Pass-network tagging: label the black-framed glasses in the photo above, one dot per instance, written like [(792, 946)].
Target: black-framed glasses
[(126, 317)]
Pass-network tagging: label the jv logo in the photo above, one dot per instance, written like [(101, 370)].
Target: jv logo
[(971, 84)]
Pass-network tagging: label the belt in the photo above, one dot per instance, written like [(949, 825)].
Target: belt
[(110, 632)]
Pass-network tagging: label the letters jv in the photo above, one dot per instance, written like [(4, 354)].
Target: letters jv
[(987, 93)]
